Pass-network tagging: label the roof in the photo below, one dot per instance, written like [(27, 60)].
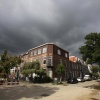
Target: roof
[(73, 58), (41, 46)]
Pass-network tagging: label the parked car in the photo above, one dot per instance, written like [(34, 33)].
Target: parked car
[(72, 80), (80, 79), (94, 78), (2, 80), (87, 78)]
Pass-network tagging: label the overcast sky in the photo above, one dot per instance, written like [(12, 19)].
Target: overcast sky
[(25, 24)]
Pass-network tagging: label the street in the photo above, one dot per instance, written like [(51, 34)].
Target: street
[(29, 91)]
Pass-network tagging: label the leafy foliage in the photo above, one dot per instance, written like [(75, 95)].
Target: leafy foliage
[(1, 68), (95, 74), (36, 65), (32, 67), (27, 71), (60, 70), (8, 61), (95, 71), (91, 50)]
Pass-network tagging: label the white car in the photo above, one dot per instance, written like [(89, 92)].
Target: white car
[(80, 79), (87, 78)]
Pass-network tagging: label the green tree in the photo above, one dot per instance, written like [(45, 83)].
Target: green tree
[(9, 61), (91, 50), (36, 65), (1, 69), (60, 71), (95, 69), (31, 67)]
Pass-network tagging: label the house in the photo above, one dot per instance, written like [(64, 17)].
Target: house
[(78, 67), (49, 55)]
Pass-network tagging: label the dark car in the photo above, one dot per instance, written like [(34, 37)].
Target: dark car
[(94, 78), (72, 80)]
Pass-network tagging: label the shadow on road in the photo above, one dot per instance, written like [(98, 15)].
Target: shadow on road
[(17, 93), (94, 99), (97, 87)]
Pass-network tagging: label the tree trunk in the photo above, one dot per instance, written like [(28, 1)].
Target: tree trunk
[(60, 80)]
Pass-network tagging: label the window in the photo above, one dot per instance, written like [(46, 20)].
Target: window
[(35, 52), (31, 53), (50, 63), (44, 60), (44, 50), (66, 55), (39, 51), (59, 52)]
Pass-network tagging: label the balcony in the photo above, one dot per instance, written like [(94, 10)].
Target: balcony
[(49, 63)]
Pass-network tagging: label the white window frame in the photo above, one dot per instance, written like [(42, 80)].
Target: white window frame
[(44, 49), (66, 55), (35, 52), (59, 52), (31, 53), (39, 51)]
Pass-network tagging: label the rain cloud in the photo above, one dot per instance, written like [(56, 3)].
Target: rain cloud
[(25, 24)]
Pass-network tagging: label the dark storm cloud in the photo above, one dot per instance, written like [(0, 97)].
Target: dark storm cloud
[(25, 24)]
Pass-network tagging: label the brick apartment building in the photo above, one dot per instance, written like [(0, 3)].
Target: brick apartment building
[(49, 55), (78, 68)]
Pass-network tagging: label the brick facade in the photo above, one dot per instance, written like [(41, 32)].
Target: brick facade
[(50, 55)]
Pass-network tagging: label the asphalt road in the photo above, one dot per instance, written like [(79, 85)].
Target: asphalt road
[(26, 91)]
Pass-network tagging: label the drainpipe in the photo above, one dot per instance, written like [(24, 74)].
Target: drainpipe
[(65, 71)]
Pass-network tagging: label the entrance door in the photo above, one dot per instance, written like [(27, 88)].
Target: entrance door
[(50, 72)]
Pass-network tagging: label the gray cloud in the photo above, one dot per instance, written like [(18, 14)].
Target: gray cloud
[(25, 24)]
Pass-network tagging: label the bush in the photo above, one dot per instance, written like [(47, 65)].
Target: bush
[(44, 79), (2, 75), (47, 79), (95, 75)]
